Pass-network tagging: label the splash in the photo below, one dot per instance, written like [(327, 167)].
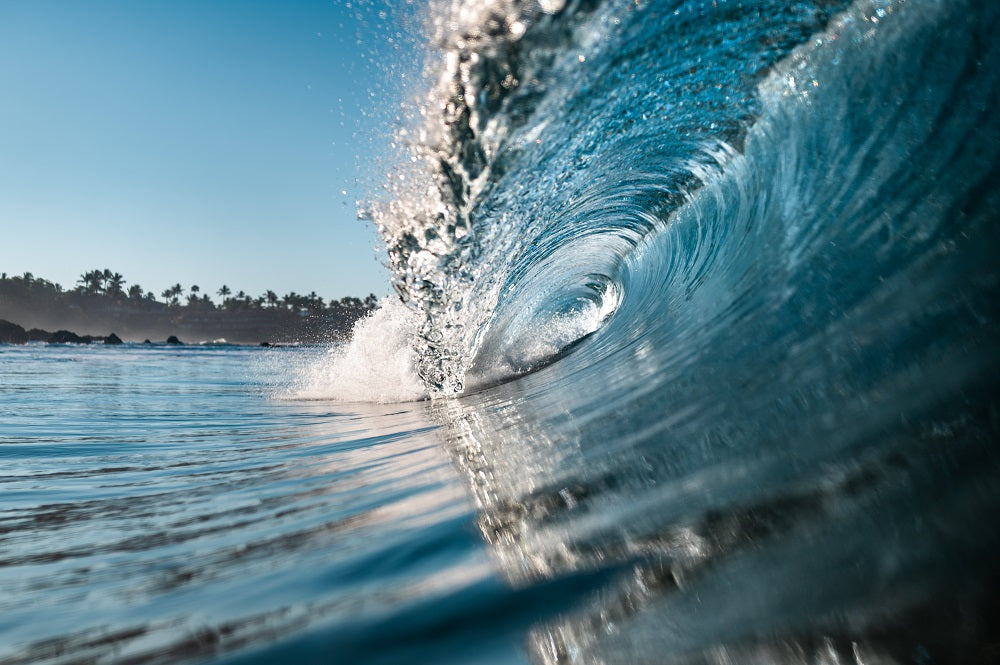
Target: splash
[(554, 123), (435, 242), (377, 365)]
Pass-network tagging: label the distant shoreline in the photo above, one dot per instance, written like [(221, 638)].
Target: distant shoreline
[(100, 304), (12, 334)]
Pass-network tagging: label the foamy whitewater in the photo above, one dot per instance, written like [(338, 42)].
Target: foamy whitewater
[(692, 359)]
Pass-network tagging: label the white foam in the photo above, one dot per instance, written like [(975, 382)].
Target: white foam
[(377, 365)]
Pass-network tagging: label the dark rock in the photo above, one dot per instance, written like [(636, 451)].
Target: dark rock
[(38, 335), (113, 339), (265, 344), (146, 341), (173, 340), (11, 333), (67, 337)]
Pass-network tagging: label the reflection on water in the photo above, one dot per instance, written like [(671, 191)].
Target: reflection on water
[(876, 554), (156, 509)]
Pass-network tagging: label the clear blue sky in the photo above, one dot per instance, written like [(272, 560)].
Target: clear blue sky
[(196, 141)]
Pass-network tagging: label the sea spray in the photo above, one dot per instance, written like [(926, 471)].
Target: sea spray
[(546, 123), (482, 91), (376, 365)]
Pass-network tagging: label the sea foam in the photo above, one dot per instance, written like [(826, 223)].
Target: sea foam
[(376, 365)]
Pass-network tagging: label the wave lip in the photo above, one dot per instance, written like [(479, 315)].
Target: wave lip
[(559, 121)]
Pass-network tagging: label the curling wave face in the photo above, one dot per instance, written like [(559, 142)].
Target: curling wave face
[(557, 136), (740, 260)]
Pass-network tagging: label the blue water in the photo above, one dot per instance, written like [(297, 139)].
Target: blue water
[(704, 298), (163, 504)]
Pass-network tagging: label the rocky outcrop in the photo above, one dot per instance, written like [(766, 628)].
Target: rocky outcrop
[(68, 337), (11, 333), (38, 335)]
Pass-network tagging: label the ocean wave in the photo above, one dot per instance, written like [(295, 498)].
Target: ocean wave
[(556, 128)]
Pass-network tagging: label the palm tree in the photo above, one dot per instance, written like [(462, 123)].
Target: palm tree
[(271, 297), (90, 282), (224, 294), (115, 283), (315, 302), (172, 295)]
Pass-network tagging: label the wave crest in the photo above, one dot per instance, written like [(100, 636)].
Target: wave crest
[(553, 123)]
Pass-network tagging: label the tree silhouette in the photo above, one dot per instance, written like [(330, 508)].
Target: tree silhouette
[(90, 282), (114, 285), (314, 302), (172, 295), (97, 290)]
